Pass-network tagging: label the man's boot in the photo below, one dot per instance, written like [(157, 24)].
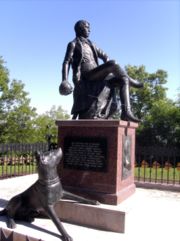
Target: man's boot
[(126, 114)]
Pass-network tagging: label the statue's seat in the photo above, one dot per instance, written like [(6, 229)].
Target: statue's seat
[(94, 99)]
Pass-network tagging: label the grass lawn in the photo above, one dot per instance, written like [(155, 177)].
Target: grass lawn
[(14, 170), (157, 174)]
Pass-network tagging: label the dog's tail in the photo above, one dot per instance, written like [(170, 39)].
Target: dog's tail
[(3, 212)]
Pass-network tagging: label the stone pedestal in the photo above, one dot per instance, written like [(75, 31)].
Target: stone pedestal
[(98, 158)]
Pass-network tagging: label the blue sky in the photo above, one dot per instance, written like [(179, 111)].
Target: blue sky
[(35, 33)]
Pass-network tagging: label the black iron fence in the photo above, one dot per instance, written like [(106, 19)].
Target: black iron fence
[(153, 164), (19, 159), (158, 165)]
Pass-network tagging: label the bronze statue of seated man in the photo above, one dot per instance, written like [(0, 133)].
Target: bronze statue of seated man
[(94, 85)]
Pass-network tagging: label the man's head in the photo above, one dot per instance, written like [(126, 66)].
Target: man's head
[(82, 28)]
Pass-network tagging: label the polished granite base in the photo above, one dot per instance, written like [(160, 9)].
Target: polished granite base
[(98, 160)]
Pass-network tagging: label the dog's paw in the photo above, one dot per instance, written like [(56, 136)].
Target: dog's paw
[(29, 219), (97, 203), (11, 223), (67, 238), (94, 202)]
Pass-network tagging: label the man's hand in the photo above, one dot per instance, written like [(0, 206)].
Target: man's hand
[(65, 88)]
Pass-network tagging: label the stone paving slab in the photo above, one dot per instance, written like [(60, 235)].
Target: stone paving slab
[(151, 215)]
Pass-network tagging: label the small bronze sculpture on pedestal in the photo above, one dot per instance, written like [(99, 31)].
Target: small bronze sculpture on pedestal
[(41, 197), (94, 84)]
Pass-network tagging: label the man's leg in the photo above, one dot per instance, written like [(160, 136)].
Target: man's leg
[(102, 71), (111, 67), (120, 80), (126, 114)]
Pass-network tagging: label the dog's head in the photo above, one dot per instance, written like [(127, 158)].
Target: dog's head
[(50, 158)]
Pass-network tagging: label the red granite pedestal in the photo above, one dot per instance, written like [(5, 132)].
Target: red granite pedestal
[(110, 144)]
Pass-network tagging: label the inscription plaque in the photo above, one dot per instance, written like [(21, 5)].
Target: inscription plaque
[(85, 153)]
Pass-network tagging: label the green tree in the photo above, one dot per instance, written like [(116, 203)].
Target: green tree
[(19, 122), (178, 98), (44, 124), (16, 114), (160, 116), (143, 99), (161, 125), (4, 81)]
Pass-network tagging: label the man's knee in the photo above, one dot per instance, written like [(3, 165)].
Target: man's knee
[(111, 62), (112, 66), (116, 67)]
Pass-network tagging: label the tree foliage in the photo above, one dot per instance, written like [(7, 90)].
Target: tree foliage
[(19, 122), (160, 116), (161, 126), (143, 99), (44, 124), (16, 114)]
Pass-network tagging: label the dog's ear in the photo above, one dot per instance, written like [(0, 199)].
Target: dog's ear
[(37, 155), (59, 153)]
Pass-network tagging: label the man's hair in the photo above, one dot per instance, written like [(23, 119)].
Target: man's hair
[(79, 26)]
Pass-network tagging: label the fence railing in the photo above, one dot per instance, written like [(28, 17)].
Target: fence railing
[(158, 165), (19, 159), (153, 164)]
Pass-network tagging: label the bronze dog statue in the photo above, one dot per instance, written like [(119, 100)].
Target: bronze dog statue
[(42, 195)]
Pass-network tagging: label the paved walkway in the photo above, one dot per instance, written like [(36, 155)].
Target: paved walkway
[(151, 215)]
